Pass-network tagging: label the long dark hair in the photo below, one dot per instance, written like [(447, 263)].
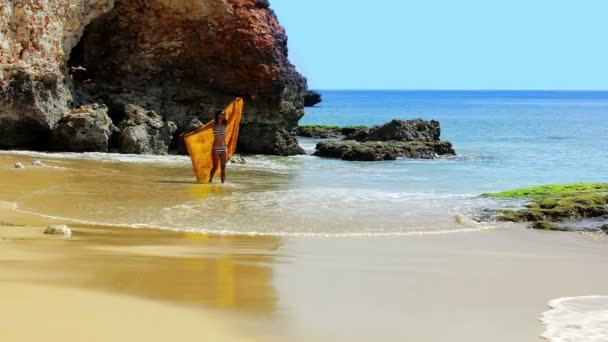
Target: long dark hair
[(217, 116)]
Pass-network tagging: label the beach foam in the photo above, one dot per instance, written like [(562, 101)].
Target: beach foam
[(105, 157), (577, 319), (255, 230)]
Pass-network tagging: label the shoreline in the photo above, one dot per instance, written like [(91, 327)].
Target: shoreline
[(281, 285), (482, 285)]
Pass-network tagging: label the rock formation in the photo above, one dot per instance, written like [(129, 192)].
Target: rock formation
[(144, 132), (319, 131), (383, 150), (417, 139), (568, 207), (87, 129), (311, 98), (180, 58)]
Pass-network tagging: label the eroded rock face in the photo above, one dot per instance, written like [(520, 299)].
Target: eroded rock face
[(35, 41), (181, 58), (87, 129), (144, 132)]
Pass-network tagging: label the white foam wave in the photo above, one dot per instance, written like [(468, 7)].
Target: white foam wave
[(296, 234), (105, 157), (580, 319)]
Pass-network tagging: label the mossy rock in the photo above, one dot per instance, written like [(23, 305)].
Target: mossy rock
[(319, 131), (550, 204), (549, 190), (544, 225)]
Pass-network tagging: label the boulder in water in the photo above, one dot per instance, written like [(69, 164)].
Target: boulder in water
[(416, 139), (144, 132), (86, 129)]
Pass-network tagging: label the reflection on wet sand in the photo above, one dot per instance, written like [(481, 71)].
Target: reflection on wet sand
[(228, 272)]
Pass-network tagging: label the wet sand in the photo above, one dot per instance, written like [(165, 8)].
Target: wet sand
[(137, 284), (118, 283)]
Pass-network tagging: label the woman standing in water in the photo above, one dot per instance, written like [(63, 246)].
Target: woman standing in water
[(219, 150)]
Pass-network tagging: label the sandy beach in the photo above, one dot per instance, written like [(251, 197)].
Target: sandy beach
[(260, 170), (140, 284)]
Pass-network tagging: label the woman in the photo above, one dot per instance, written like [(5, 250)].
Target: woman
[(219, 150)]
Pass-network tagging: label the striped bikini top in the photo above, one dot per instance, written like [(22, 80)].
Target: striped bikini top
[(219, 131)]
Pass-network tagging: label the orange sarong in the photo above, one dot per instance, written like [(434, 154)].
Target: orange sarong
[(200, 142)]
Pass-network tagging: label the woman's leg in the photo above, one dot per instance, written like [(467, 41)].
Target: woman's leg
[(223, 165), (215, 158)]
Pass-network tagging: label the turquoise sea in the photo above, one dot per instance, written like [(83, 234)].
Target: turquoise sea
[(504, 139)]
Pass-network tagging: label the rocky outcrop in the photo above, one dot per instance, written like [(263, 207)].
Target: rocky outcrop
[(579, 206), (87, 129), (311, 98), (319, 131), (401, 130), (382, 150), (182, 59), (417, 139), (144, 132)]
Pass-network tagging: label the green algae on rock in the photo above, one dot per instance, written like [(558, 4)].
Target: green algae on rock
[(319, 131), (551, 190), (551, 205)]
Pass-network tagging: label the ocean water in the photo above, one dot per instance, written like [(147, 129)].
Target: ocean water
[(503, 140)]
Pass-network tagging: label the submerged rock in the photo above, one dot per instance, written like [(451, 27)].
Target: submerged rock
[(144, 132), (86, 129), (18, 165), (59, 229), (38, 163), (311, 98)]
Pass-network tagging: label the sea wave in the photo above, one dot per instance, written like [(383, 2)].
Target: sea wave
[(580, 319), (469, 228), (105, 157)]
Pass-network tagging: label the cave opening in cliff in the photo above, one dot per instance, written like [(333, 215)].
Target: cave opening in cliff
[(146, 54), (184, 60)]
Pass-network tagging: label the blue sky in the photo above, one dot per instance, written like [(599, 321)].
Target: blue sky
[(448, 44)]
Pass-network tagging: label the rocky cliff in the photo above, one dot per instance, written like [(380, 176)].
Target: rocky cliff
[(180, 58)]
